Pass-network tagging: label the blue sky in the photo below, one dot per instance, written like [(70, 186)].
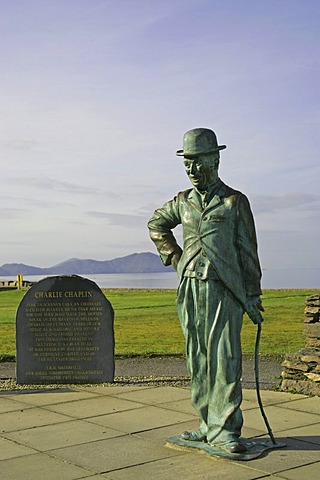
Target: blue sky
[(96, 96)]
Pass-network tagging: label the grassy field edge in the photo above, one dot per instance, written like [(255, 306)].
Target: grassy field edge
[(146, 323)]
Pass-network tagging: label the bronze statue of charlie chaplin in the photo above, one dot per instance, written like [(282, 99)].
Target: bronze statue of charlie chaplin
[(220, 276)]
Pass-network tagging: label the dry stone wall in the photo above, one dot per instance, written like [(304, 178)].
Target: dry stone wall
[(301, 371)]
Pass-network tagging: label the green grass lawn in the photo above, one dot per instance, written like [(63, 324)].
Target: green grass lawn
[(146, 322)]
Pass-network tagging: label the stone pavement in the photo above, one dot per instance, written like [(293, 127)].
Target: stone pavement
[(118, 433)]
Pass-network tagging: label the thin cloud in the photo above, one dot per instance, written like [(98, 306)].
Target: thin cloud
[(55, 185), (11, 213), (120, 219), (21, 144), (281, 201), (18, 243)]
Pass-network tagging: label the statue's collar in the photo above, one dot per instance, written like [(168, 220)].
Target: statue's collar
[(210, 191), (197, 198)]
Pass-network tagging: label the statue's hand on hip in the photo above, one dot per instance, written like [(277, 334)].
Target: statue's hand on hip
[(175, 260)]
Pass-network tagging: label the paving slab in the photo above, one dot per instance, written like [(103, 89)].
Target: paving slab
[(159, 436), (279, 418), (250, 405), (310, 405), (296, 454), (29, 418), (183, 405), (97, 477), (112, 389), (306, 433), (108, 455), (9, 404), (270, 397), (306, 472), (147, 418), (64, 434), (40, 467), (94, 406), (119, 433), (51, 397), (156, 395), (189, 466), (9, 449)]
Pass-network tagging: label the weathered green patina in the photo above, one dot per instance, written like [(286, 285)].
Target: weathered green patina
[(220, 278)]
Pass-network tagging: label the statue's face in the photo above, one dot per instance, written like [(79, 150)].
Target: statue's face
[(202, 170)]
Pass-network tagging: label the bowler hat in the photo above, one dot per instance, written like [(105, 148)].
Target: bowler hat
[(199, 141)]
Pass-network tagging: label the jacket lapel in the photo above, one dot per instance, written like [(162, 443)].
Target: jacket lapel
[(214, 202), (195, 200), (216, 199)]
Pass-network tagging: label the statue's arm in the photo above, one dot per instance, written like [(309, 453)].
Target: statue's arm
[(161, 224), (249, 260)]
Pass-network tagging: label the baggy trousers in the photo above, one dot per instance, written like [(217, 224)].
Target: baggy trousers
[(211, 321)]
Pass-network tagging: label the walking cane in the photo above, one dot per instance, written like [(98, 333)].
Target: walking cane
[(257, 318), (256, 371)]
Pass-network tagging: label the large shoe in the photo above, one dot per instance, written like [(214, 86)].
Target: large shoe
[(193, 436), (235, 447)]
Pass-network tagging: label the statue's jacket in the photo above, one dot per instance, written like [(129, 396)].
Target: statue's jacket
[(222, 234)]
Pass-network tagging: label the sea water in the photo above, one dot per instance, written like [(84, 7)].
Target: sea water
[(308, 278)]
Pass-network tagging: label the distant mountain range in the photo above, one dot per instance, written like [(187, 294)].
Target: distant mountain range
[(135, 263)]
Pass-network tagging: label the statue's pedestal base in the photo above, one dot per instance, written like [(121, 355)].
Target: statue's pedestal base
[(255, 448)]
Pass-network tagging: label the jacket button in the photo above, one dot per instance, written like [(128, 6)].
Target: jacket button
[(199, 274)]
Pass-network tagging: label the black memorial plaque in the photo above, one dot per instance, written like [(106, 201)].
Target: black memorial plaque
[(64, 333)]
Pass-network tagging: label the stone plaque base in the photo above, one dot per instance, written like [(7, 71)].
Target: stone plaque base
[(64, 333), (255, 448)]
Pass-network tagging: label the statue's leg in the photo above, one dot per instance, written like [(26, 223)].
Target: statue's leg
[(190, 310), (211, 321), (224, 365)]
